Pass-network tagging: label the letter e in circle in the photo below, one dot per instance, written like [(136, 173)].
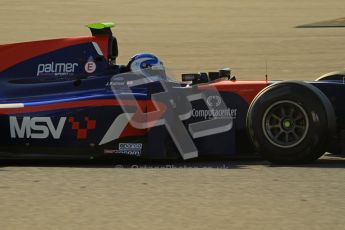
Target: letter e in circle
[(90, 67)]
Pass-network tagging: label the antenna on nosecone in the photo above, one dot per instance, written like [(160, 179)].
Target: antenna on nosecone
[(266, 76)]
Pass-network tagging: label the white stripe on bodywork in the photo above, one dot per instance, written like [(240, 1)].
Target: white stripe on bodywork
[(116, 128), (12, 106), (98, 50)]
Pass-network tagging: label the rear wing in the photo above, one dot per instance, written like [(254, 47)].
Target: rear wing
[(103, 28)]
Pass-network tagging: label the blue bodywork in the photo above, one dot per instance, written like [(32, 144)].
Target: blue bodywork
[(67, 114)]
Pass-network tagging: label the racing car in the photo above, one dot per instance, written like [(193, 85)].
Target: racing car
[(68, 98)]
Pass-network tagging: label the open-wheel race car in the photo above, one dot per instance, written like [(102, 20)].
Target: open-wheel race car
[(68, 98)]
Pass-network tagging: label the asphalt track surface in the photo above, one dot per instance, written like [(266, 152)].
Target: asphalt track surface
[(189, 36)]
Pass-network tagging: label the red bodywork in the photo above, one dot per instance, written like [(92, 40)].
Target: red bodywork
[(13, 54)]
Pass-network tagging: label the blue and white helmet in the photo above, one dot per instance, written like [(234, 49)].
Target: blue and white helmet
[(145, 61)]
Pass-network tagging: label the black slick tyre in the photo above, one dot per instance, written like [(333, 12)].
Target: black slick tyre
[(291, 122)]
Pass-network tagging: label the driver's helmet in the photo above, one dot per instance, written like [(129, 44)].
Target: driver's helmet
[(147, 64)]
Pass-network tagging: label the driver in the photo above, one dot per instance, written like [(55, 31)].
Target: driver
[(147, 64)]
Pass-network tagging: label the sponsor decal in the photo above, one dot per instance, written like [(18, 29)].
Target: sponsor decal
[(90, 67), (116, 81), (214, 101), (132, 149), (215, 113), (130, 146), (82, 132), (57, 69), (43, 127), (36, 127)]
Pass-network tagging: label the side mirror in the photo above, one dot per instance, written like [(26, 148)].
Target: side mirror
[(221, 74), (193, 77), (226, 72)]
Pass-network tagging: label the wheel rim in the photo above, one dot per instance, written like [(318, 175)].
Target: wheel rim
[(285, 124)]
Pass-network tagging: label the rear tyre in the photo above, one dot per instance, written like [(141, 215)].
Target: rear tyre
[(291, 123), (333, 76)]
